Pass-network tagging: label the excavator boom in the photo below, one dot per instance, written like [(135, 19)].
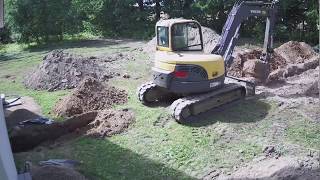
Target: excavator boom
[(240, 12)]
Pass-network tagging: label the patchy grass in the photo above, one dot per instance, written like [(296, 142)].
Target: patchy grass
[(305, 133), (155, 146)]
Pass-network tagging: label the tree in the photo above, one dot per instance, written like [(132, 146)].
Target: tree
[(140, 3), (41, 20)]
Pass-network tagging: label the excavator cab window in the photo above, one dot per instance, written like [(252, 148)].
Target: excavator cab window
[(186, 37), (163, 36)]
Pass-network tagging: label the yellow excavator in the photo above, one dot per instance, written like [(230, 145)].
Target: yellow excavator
[(200, 80)]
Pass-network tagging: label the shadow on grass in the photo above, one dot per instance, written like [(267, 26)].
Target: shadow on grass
[(103, 159), (4, 57), (243, 111), (98, 43)]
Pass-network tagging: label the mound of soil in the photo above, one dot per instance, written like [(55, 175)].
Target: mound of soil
[(18, 116), (61, 70), (110, 122), (278, 169), (56, 173), (295, 52), (90, 95), (29, 109), (290, 59), (210, 39)]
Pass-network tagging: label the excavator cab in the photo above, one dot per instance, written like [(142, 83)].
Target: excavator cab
[(184, 35), (181, 66)]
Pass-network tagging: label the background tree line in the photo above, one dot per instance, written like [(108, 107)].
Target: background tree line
[(48, 20)]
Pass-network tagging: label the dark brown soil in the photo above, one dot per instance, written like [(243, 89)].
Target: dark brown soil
[(236, 68), (61, 70), (110, 122), (88, 96), (28, 137), (56, 173), (96, 124), (18, 116)]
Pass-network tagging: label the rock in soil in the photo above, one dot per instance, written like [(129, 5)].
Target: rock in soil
[(237, 68), (88, 96), (55, 173), (110, 122), (279, 169), (61, 70)]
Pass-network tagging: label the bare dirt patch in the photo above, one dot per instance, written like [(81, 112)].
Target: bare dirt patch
[(56, 173), (61, 70), (281, 168), (110, 122), (27, 137), (90, 95), (304, 84)]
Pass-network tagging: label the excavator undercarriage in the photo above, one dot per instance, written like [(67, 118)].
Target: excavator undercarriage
[(186, 106)]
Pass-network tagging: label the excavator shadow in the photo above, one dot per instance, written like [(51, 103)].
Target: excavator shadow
[(242, 111)]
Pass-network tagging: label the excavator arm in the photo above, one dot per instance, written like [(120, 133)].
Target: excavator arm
[(240, 12)]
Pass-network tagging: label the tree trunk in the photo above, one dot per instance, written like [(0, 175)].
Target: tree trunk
[(187, 8), (140, 3), (158, 9)]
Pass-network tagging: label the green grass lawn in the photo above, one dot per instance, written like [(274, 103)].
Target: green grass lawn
[(155, 146)]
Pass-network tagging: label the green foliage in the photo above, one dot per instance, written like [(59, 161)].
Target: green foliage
[(121, 18), (298, 20), (41, 20), (44, 20)]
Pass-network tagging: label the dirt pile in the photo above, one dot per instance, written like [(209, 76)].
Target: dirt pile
[(210, 39), (90, 95), (281, 74), (61, 70), (292, 58), (295, 52), (110, 122), (278, 169)]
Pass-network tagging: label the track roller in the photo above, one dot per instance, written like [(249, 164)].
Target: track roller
[(186, 107)]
